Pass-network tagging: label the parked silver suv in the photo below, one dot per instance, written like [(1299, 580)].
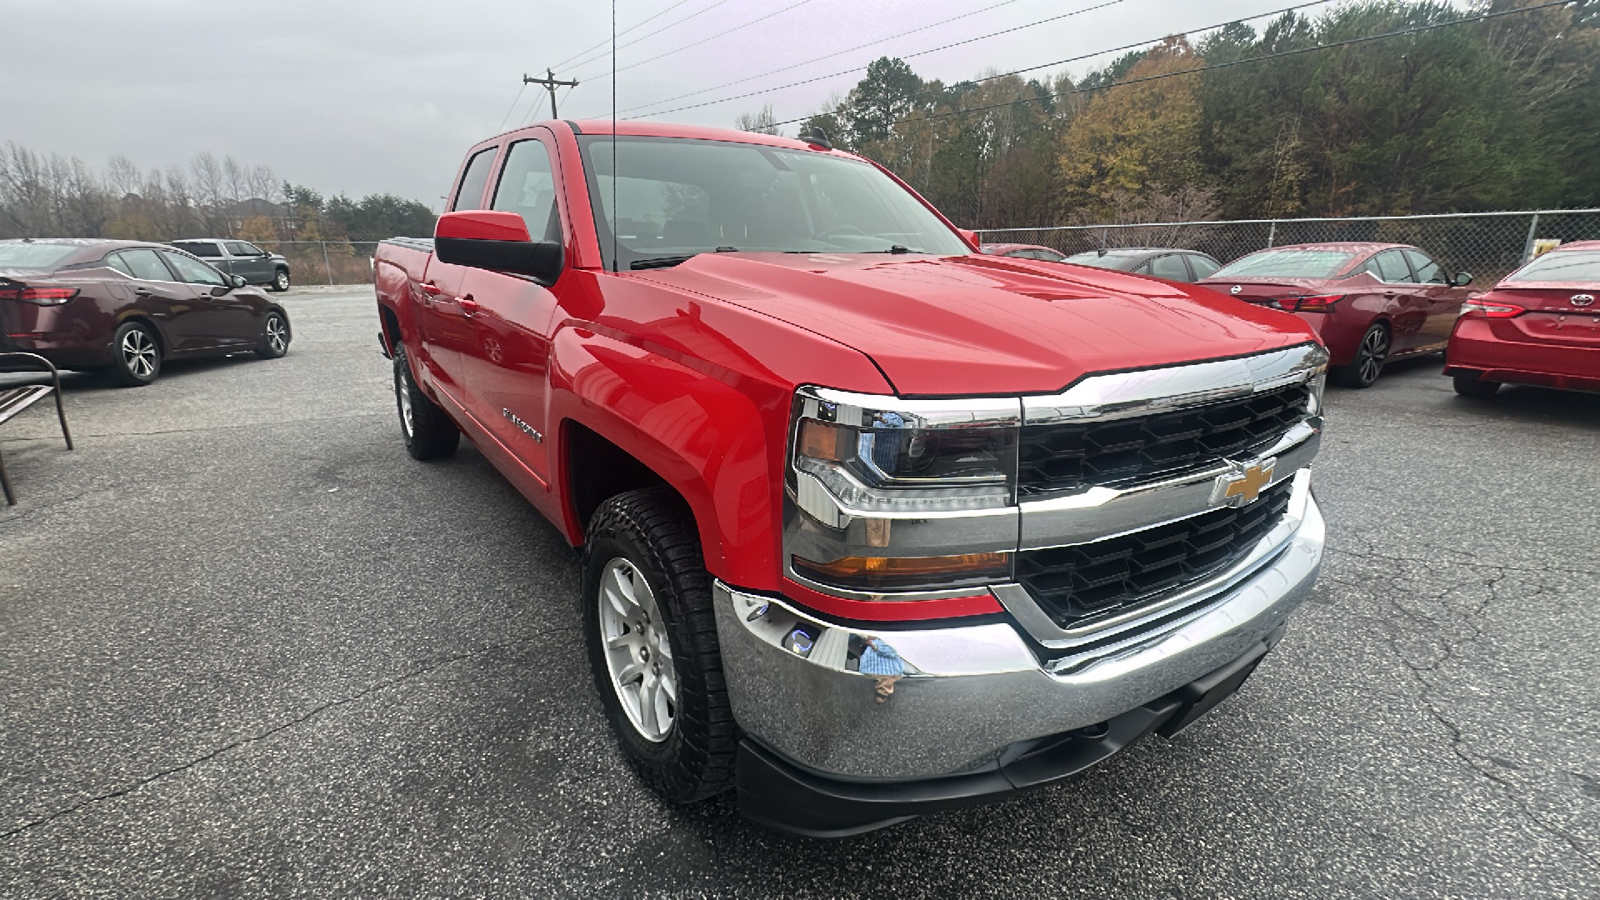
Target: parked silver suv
[(242, 258)]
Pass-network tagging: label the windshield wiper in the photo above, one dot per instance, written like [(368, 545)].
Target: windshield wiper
[(896, 249), (660, 262)]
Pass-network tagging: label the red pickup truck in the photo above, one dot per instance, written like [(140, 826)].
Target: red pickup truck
[(872, 524)]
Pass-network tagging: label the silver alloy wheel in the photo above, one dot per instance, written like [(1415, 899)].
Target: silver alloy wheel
[(402, 389), (1374, 348), (280, 280), (139, 353), (638, 654), (277, 335)]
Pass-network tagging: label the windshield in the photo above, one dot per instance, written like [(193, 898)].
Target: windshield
[(1109, 261), (676, 197), (1288, 263), (20, 255), (1577, 266)]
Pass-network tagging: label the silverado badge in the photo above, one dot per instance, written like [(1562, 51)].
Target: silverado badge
[(1243, 485)]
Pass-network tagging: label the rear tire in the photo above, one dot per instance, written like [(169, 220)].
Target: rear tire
[(1474, 386), (427, 430), (135, 355), (274, 335), (652, 640), (1371, 354)]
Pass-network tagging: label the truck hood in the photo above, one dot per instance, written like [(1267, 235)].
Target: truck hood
[(940, 326)]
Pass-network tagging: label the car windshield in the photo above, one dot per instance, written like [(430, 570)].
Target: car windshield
[(30, 255), (1288, 263), (676, 197), (1121, 261), (1574, 266)]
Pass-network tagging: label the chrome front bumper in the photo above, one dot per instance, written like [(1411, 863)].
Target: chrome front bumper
[(963, 694)]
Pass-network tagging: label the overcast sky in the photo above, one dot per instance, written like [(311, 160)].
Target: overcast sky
[(385, 97)]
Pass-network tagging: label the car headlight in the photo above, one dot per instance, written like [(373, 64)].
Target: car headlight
[(861, 465)]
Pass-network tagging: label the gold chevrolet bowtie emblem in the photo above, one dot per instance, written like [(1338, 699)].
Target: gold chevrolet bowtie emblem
[(1242, 488)]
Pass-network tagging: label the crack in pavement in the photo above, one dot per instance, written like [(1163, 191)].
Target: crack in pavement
[(277, 729), (1387, 590)]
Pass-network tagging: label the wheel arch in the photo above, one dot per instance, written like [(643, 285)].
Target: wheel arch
[(162, 343)]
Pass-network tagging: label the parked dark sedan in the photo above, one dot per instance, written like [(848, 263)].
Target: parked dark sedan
[(1170, 263), (241, 258), (126, 306), (1369, 302)]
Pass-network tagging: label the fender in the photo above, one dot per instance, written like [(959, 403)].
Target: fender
[(712, 443)]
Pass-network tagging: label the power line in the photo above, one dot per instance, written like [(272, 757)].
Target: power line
[(713, 37), (808, 62), (620, 33), (514, 101), (615, 47), (1236, 62), (970, 40), (1133, 46)]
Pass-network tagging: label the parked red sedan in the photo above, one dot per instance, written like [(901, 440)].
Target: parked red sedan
[(1539, 325), (1369, 302), (125, 306)]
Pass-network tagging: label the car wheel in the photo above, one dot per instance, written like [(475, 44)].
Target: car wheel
[(274, 336), (136, 355), (280, 281), (1371, 354), (1472, 385), (428, 431), (652, 642)]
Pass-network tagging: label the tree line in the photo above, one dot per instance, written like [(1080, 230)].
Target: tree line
[(1487, 115), (51, 195)]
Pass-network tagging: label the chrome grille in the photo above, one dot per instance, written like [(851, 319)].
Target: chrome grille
[(1077, 584), (1070, 455)]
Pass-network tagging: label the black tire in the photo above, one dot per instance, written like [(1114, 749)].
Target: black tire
[(1471, 385), (427, 430), (275, 335), (135, 355), (280, 280), (1371, 354), (653, 532)]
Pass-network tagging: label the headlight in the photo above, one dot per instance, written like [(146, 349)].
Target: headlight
[(868, 474), (883, 454)]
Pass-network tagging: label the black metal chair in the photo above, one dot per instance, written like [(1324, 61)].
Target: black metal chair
[(14, 400)]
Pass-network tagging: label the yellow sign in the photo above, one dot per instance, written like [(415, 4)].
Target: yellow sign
[(1541, 246)]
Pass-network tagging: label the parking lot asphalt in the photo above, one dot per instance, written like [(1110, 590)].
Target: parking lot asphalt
[(248, 647)]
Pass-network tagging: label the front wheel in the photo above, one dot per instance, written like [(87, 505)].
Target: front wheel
[(1472, 385), (280, 281), (428, 431), (274, 336), (652, 640), (136, 355), (1371, 354)]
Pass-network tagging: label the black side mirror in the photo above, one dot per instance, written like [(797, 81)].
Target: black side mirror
[(1462, 279), (541, 260)]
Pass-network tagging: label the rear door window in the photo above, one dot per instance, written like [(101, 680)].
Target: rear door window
[(1170, 267), (474, 180), (146, 265), (199, 248), (528, 187)]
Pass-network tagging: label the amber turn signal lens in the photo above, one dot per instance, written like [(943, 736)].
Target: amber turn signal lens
[(820, 440), (930, 572)]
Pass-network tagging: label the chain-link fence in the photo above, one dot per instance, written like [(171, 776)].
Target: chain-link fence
[(1489, 245), (327, 262)]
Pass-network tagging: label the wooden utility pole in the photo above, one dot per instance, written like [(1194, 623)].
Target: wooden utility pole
[(550, 84)]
